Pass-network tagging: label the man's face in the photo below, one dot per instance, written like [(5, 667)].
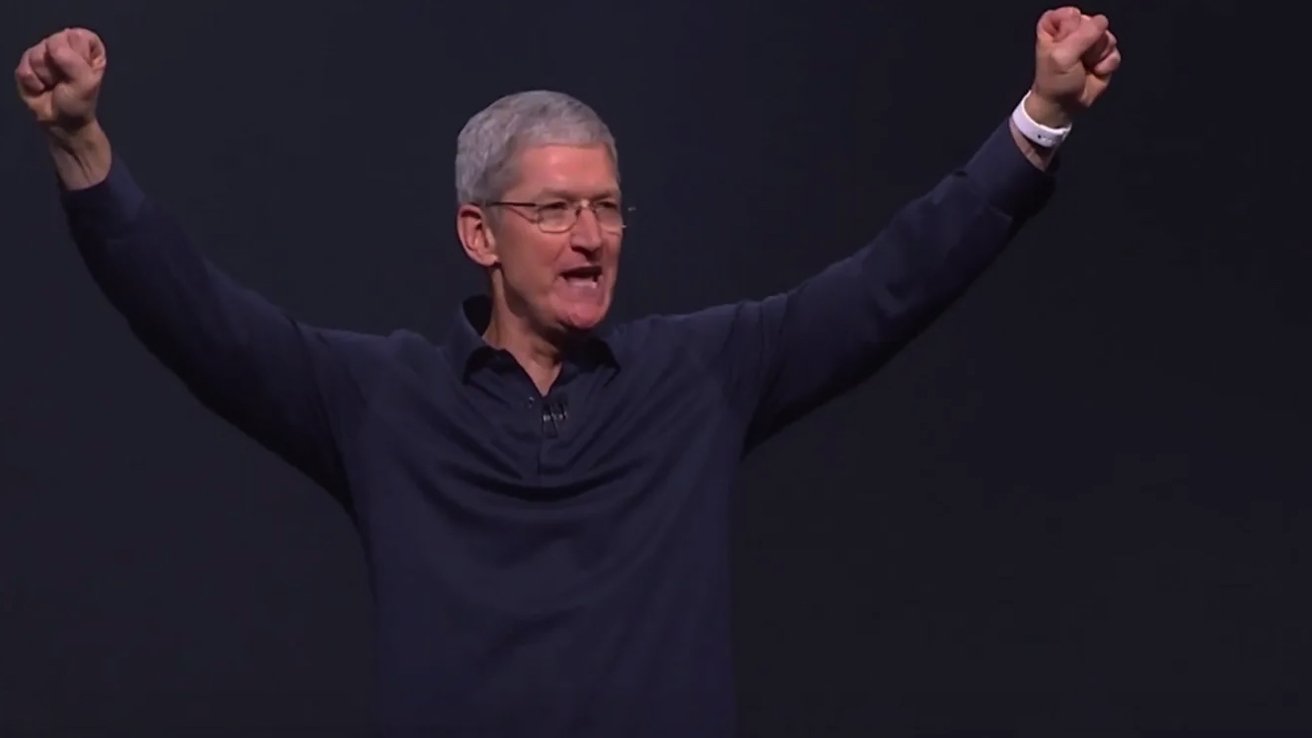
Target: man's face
[(560, 281)]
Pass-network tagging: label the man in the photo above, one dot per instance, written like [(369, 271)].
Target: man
[(544, 499)]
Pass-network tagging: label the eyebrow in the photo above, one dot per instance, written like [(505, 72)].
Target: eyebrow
[(566, 195)]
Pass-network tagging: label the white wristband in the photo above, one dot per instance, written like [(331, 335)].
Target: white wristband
[(1040, 134)]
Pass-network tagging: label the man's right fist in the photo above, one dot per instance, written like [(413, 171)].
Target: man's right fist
[(59, 79)]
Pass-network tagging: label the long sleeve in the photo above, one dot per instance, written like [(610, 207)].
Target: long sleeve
[(241, 356), (782, 356)]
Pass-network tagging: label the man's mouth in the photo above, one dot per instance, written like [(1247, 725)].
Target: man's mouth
[(588, 276)]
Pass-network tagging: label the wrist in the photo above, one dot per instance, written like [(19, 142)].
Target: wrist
[(81, 155), (1045, 111), (81, 140), (1032, 127)]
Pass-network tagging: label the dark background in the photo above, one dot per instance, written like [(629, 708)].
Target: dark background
[(1076, 505)]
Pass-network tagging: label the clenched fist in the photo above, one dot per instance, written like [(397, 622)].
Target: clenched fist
[(1075, 56), (59, 80)]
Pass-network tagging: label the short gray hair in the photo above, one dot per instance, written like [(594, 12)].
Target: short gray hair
[(489, 142)]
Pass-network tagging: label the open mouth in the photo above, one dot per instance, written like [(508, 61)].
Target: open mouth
[(588, 276)]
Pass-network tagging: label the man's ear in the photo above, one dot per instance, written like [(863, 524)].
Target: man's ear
[(475, 230)]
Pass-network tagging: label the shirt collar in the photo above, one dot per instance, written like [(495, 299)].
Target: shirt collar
[(470, 351)]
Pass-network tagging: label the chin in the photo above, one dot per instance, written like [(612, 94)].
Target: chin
[(579, 311), (576, 323), (583, 318)]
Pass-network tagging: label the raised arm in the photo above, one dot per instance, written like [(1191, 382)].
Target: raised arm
[(283, 383), (780, 357)]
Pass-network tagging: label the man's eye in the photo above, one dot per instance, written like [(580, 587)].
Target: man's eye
[(609, 206), (552, 208)]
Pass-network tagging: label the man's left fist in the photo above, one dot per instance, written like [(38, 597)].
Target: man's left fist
[(1074, 58)]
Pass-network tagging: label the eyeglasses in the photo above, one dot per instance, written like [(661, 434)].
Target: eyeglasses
[(559, 216)]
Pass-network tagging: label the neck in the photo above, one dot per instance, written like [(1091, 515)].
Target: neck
[(539, 356)]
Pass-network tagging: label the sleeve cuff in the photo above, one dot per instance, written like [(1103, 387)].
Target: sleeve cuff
[(109, 206), (1010, 181)]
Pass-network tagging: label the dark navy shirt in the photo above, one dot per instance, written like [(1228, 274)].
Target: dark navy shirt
[(558, 565)]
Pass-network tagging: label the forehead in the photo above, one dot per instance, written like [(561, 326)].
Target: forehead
[(579, 170)]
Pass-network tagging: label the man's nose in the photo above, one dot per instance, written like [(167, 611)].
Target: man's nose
[(586, 233)]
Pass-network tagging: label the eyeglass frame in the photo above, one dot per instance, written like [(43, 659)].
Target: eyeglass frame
[(577, 207)]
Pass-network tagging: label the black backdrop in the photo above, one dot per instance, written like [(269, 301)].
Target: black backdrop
[(1075, 505)]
